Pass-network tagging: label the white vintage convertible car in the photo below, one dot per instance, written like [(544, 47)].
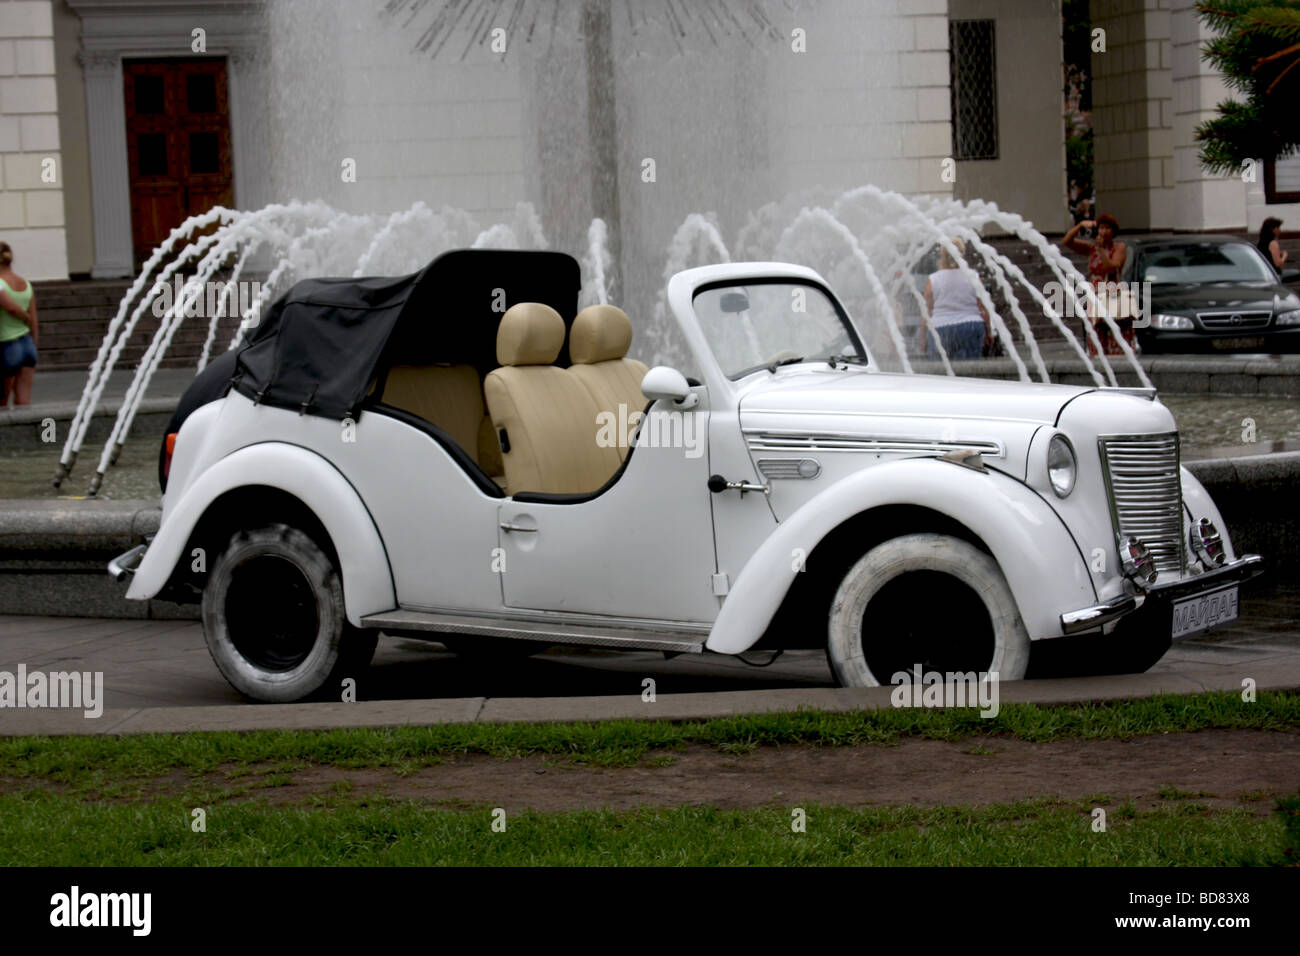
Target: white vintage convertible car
[(456, 455)]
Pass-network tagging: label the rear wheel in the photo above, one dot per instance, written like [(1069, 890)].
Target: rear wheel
[(274, 619), (929, 600)]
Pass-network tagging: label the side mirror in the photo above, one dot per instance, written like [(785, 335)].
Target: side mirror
[(668, 384), (1290, 275)]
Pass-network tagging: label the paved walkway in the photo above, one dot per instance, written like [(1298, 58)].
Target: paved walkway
[(158, 678), (56, 394)]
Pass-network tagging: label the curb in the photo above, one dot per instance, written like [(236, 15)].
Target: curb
[(1279, 675)]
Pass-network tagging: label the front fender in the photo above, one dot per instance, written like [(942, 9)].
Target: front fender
[(367, 579), (1198, 504), (1042, 564)]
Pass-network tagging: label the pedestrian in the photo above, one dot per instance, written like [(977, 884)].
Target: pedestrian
[(955, 311), (1106, 258), (17, 332), (1269, 242)]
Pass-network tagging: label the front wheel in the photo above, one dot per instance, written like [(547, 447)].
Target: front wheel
[(926, 600), (274, 619)]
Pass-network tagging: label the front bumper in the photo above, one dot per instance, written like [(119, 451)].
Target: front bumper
[(1160, 597), (1268, 340), (124, 565)]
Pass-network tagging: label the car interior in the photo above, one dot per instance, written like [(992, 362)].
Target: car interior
[(530, 424)]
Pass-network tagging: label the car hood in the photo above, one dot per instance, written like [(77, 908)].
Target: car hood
[(896, 409), (866, 394), (1224, 295)]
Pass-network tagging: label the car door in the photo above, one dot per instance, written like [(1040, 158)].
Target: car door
[(641, 549)]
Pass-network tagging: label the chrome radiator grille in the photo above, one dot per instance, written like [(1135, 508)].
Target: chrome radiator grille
[(1145, 491), (1232, 321)]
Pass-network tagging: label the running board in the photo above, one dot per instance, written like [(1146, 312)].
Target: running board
[(548, 632)]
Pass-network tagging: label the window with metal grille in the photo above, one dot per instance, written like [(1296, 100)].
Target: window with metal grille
[(972, 65)]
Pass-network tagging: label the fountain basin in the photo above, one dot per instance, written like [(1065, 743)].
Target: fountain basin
[(1265, 375), (1211, 424)]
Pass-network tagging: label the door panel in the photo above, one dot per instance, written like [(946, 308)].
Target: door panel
[(643, 549), (178, 144)]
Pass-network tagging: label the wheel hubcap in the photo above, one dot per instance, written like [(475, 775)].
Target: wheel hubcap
[(271, 613), (927, 618)]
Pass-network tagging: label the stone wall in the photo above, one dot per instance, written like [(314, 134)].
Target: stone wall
[(31, 166), (1152, 89), (1028, 176), (1133, 112), (1203, 200)]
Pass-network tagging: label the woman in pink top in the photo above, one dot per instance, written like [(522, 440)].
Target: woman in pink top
[(1106, 258)]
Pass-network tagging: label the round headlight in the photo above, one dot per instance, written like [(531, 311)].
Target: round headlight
[(1061, 465)]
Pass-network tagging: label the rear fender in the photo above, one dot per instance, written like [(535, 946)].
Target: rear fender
[(367, 579), (1036, 553)]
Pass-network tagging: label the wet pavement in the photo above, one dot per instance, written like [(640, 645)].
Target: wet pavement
[(165, 664)]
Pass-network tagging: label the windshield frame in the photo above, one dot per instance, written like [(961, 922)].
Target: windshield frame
[(854, 338)]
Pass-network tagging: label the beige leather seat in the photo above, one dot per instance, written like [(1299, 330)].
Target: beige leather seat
[(545, 418), (598, 344), (451, 397)]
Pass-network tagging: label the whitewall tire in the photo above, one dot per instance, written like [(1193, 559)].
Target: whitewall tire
[(924, 599)]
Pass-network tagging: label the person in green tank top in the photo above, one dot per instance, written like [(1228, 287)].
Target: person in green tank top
[(17, 332)]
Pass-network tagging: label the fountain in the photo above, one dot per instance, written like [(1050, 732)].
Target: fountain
[(865, 233), (603, 83), (293, 241)]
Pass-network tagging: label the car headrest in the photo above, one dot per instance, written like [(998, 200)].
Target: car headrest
[(530, 334), (600, 333)]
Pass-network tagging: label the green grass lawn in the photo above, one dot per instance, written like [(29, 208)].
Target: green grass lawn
[(128, 800), (60, 831), (89, 762)]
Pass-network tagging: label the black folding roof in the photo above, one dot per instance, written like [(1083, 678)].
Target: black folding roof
[(321, 345)]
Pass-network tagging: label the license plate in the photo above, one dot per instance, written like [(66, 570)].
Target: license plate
[(1243, 343), (1205, 611)]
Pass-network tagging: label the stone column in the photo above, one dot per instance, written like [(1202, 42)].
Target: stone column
[(1204, 200), (110, 181), (1132, 113)]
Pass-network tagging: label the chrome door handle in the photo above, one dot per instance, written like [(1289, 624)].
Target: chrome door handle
[(508, 527), (717, 483)]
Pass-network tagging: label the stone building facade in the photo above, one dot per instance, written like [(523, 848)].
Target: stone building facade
[(844, 92)]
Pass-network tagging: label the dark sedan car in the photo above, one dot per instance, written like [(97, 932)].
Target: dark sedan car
[(1213, 294)]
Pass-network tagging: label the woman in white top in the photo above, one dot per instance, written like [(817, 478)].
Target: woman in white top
[(955, 311)]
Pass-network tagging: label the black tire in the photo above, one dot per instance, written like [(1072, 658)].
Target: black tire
[(274, 619), (926, 599)]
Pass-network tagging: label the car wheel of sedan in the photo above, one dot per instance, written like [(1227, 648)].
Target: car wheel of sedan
[(929, 600), (274, 619)]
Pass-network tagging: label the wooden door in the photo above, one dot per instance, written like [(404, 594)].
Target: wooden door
[(177, 142)]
